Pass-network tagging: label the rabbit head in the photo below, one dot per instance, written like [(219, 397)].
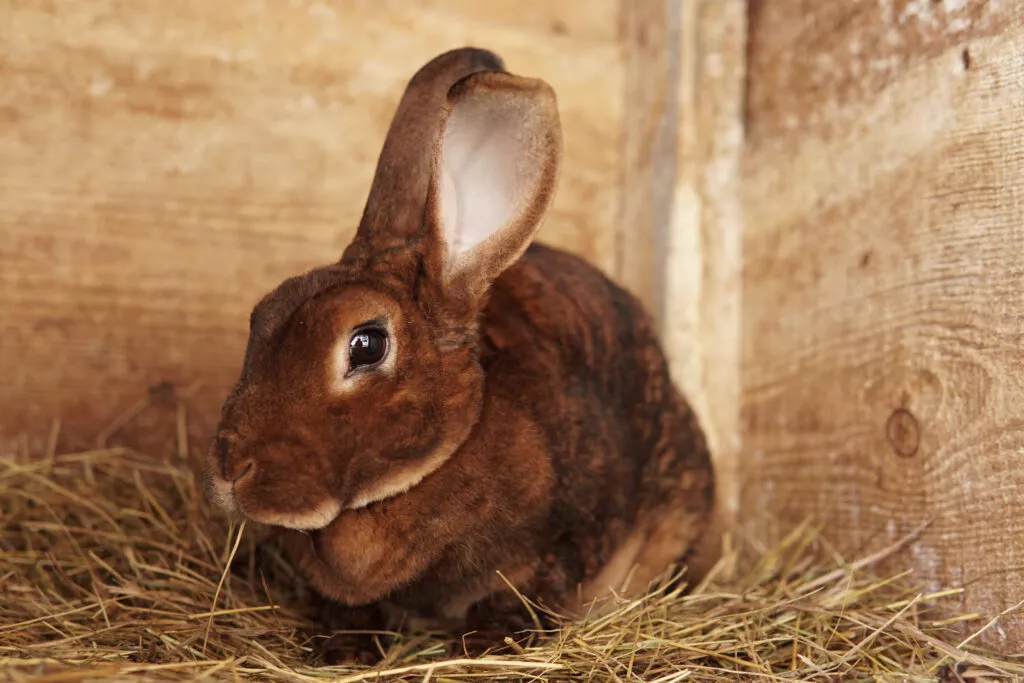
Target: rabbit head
[(361, 378)]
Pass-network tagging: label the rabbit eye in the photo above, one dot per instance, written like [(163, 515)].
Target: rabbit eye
[(367, 347)]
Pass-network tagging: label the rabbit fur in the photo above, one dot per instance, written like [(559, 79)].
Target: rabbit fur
[(520, 426)]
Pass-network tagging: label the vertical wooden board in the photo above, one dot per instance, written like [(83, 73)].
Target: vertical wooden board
[(680, 217), (651, 42), (164, 164), (701, 282), (883, 299)]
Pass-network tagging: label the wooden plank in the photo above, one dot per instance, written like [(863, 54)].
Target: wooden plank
[(701, 300), (651, 44), (883, 292), (164, 164), (681, 219)]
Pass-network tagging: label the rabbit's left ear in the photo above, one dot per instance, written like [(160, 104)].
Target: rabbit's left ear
[(494, 176)]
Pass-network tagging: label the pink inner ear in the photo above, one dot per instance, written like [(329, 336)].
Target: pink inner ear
[(485, 171)]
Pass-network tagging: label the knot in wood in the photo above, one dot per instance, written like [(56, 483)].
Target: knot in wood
[(903, 432)]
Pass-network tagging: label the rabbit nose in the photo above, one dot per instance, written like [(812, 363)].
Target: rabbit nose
[(241, 471), (234, 469), (234, 465)]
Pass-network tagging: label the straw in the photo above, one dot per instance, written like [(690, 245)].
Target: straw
[(112, 568)]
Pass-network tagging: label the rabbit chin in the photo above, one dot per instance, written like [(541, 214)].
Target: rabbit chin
[(311, 520), (222, 495)]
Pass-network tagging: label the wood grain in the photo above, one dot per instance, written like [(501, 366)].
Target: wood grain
[(165, 164), (701, 280), (810, 59), (883, 293), (651, 40)]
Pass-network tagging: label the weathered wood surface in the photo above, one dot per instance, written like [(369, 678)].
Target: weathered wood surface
[(701, 300), (165, 163), (681, 215), (883, 284)]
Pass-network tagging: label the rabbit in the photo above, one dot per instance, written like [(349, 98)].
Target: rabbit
[(453, 414)]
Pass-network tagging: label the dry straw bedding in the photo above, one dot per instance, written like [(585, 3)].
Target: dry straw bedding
[(111, 569)]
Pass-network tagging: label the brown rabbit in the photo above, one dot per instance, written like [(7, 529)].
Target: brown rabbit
[(448, 403)]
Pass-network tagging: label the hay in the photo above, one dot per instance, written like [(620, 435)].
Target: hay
[(109, 566)]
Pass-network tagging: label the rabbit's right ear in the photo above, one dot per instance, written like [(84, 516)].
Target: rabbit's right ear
[(496, 170), (468, 170)]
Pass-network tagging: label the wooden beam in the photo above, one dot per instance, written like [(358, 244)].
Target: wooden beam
[(681, 219), (651, 43)]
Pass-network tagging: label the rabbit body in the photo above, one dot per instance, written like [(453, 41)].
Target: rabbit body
[(517, 425), (582, 441)]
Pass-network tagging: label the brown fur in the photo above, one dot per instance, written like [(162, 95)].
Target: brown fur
[(527, 411)]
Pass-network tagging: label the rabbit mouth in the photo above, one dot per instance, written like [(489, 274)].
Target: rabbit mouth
[(310, 520), (221, 495)]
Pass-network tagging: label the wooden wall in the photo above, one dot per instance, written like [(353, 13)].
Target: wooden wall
[(883, 284), (165, 163)]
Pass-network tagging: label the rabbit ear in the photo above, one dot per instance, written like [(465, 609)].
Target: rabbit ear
[(401, 183), (494, 177)]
